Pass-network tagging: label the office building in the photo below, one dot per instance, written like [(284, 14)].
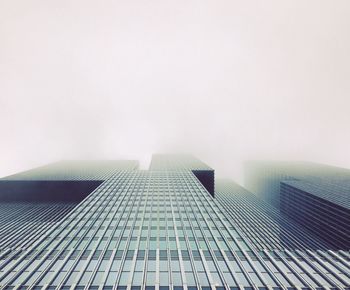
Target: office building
[(315, 196), (166, 228)]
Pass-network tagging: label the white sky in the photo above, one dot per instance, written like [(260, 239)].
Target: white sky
[(224, 80)]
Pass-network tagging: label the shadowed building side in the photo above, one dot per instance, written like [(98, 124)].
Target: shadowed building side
[(46, 190), (328, 220)]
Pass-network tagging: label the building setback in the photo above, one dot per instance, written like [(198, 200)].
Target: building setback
[(315, 196), (155, 229)]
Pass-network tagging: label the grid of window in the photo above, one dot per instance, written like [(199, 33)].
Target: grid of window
[(162, 230), (327, 220), (316, 196), (21, 223)]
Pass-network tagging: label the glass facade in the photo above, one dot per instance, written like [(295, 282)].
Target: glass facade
[(162, 229), (261, 223), (313, 195)]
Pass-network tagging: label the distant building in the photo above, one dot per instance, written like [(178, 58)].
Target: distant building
[(314, 195), (263, 224)]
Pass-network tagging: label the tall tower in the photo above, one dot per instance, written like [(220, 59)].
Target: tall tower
[(110, 226)]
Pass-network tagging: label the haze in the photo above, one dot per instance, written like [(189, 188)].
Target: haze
[(224, 80)]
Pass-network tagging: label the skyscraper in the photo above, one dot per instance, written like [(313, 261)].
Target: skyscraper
[(314, 195), (110, 225)]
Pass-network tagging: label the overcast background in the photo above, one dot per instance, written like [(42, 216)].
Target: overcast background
[(224, 80)]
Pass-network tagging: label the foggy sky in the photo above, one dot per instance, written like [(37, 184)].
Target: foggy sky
[(224, 80)]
